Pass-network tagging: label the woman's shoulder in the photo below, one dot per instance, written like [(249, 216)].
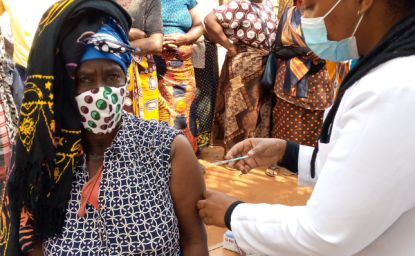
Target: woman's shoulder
[(148, 128)]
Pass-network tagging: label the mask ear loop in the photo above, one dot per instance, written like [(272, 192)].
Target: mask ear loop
[(358, 24), (338, 2)]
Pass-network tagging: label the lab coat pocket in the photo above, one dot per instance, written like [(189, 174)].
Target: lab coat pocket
[(323, 153)]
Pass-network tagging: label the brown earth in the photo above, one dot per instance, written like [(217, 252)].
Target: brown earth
[(256, 187)]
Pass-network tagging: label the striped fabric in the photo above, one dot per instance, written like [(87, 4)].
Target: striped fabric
[(4, 143)]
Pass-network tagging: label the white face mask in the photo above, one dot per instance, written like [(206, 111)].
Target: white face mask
[(315, 34), (101, 108)]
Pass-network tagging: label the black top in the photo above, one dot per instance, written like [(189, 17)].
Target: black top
[(290, 159), (146, 15), (286, 52)]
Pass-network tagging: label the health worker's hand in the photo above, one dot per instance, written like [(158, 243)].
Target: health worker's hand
[(212, 210), (261, 152)]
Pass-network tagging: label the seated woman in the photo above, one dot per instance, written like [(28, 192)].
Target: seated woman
[(87, 178)]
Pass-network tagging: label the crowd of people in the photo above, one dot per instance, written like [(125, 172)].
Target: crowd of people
[(105, 106)]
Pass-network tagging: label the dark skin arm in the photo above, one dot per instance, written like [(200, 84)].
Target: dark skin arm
[(187, 186), (215, 31), (38, 251), (173, 41), (147, 45)]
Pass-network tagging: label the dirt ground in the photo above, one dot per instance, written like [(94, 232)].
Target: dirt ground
[(256, 187)]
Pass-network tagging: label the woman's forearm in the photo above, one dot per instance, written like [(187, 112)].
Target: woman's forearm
[(216, 32), (194, 33), (151, 45)]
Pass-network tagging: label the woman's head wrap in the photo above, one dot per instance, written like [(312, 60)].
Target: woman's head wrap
[(110, 42), (48, 142)]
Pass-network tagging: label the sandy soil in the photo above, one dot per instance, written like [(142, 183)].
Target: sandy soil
[(256, 187)]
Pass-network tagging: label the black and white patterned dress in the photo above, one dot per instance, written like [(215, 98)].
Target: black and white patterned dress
[(137, 215)]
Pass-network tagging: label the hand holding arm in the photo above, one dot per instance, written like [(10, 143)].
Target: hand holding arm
[(195, 32), (149, 45)]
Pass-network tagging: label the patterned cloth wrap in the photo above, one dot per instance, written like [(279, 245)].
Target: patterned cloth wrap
[(177, 87), (142, 93), (302, 96), (207, 80), (243, 104)]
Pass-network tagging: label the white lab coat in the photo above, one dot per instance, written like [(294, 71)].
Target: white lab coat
[(364, 200)]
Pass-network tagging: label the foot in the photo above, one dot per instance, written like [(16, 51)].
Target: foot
[(272, 171)]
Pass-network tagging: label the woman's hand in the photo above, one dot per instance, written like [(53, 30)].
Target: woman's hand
[(314, 57), (136, 34), (261, 152), (213, 208), (232, 50), (175, 39)]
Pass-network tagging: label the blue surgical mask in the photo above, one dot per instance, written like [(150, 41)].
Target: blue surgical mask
[(315, 34)]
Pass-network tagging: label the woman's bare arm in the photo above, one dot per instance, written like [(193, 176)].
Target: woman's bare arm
[(187, 186), (215, 31), (148, 45), (38, 251)]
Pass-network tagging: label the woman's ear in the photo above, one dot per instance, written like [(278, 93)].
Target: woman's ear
[(365, 5)]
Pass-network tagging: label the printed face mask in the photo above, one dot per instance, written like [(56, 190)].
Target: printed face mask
[(101, 108), (315, 34)]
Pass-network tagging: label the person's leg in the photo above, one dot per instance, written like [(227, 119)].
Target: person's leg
[(22, 72), (18, 88)]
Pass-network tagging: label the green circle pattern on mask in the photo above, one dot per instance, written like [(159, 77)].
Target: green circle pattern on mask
[(107, 92), (92, 124), (118, 108), (101, 104), (114, 98), (117, 118), (95, 115)]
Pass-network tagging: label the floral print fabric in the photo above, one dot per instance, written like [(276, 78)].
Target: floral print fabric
[(241, 23), (177, 88)]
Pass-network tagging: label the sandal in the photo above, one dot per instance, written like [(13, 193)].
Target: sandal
[(272, 170)]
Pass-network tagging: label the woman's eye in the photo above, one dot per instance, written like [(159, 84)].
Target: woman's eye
[(114, 77), (83, 80), (309, 8)]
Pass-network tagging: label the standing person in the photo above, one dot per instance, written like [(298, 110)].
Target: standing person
[(8, 113), (243, 104), (176, 75), (147, 35), (25, 16), (363, 202), (302, 85), (207, 79), (107, 182)]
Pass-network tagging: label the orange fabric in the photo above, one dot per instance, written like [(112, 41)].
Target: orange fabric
[(90, 193)]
